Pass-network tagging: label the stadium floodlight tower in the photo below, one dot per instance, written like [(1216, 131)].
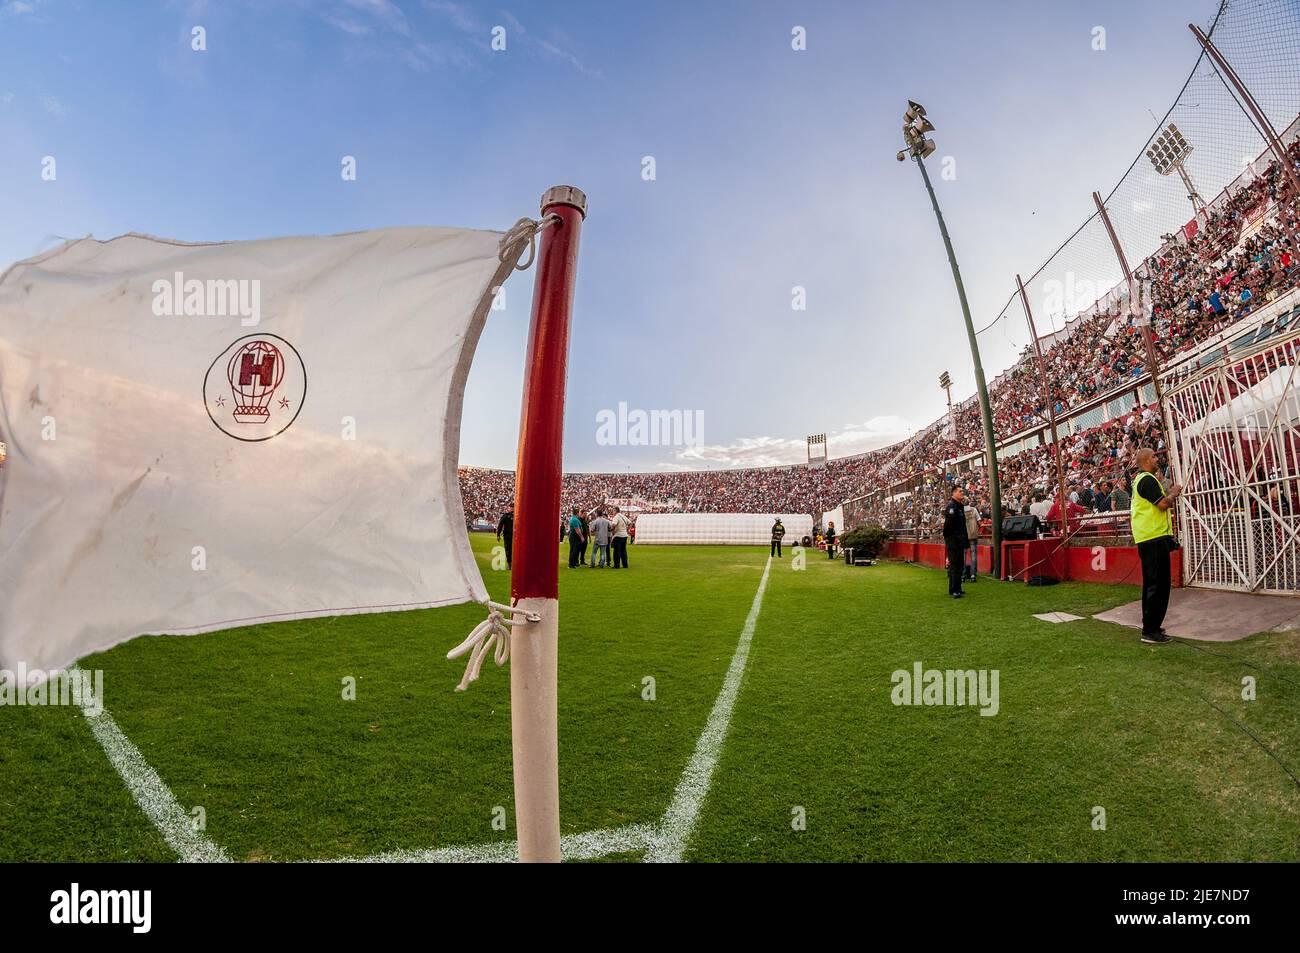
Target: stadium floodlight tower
[(945, 385), (1168, 153), (915, 126)]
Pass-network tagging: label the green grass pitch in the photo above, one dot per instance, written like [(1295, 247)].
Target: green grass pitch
[(251, 725)]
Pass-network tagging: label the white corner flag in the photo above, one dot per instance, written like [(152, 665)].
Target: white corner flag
[(204, 436)]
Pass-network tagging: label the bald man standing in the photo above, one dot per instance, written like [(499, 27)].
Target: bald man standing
[(1154, 535)]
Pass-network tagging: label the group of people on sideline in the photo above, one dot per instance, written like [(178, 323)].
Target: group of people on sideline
[(605, 534), (1149, 503), (827, 538)]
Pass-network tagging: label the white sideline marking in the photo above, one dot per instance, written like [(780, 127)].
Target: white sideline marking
[(585, 846), (679, 820), (149, 791)]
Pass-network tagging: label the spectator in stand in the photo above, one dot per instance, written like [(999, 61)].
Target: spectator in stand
[(1280, 504), (1072, 514), (1086, 496)]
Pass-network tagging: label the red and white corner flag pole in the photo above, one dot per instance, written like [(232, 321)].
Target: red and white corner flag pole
[(535, 577)]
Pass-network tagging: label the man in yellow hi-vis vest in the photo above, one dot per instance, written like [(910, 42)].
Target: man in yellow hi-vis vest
[(1154, 535)]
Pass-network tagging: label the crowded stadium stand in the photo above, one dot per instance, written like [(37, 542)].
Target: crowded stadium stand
[(790, 489)]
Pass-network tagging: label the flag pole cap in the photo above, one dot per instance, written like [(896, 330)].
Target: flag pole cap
[(565, 195)]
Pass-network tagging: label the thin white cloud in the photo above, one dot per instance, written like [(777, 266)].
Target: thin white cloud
[(380, 27), (550, 49), (781, 451), (28, 11), (460, 15), (465, 20), (53, 106), (384, 11), (347, 25)]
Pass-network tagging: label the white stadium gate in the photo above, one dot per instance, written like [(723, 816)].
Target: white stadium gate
[(1235, 449), (743, 529)]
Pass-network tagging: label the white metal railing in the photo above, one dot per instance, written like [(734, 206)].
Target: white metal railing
[(1235, 446)]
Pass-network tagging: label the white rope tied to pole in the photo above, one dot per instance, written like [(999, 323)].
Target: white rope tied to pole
[(492, 631), (524, 231)]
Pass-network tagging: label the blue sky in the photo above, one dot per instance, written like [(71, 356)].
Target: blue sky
[(774, 168)]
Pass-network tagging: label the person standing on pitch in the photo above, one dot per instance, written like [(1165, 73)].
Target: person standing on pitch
[(600, 529), (620, 529), (1153, 531), (576, 539), (830, 540), (778, 533), (955, 540), (506, 528), (973, 534), (586, 537)]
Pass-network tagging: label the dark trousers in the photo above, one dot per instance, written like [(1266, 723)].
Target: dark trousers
[(509, 540), (956, 565), (620, 552), (776, 547), (575, 551), (1154, 554), (830, 549)]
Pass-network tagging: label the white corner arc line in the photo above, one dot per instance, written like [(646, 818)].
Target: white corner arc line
[(149, 791), (585, 846), (678, 823)]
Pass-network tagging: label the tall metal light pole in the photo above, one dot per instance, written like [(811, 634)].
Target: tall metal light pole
[(915, 126), (1168, 153), (945, 384)]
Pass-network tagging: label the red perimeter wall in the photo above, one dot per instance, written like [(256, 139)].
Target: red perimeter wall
[(1108, 564)]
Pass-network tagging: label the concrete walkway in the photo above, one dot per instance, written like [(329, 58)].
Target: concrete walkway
[(1212, 615)]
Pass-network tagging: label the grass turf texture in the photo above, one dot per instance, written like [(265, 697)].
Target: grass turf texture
[(250, 724)]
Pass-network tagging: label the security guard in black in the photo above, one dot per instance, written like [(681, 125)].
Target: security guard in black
[(955, 540)]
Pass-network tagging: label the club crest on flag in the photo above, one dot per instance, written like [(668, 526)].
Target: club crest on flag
[(255, 388)]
